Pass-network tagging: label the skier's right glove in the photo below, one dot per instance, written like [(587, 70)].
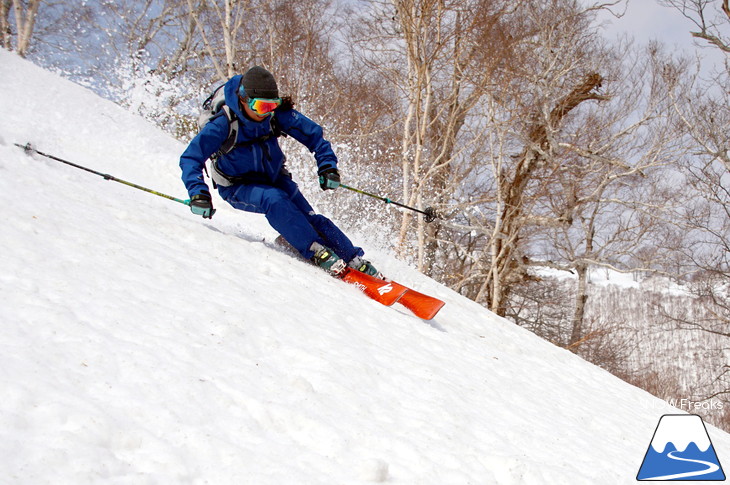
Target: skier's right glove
[(202, 205), (329, 179)]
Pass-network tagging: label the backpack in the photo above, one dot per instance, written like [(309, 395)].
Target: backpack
[(214, 106)]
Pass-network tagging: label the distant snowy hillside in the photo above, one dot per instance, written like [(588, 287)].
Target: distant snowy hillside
[(143, 345)]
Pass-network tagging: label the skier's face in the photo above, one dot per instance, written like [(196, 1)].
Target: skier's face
[(252, 114)]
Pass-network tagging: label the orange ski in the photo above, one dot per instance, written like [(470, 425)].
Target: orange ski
[(385, 292), (423, 306)]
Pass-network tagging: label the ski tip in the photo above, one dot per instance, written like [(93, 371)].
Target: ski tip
[(423, 306)]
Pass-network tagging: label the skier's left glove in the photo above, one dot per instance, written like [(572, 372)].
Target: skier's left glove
[(329, 179), (202, 205)]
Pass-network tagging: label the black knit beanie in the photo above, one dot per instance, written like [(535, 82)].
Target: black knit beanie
[(259, 83)]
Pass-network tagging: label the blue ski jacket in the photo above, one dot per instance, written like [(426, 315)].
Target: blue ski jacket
[(261, 160)]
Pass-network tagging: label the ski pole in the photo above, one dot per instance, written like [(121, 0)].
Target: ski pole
[(429, 212), (29, 149)]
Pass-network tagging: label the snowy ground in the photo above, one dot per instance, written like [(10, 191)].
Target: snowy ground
[(143, 345)]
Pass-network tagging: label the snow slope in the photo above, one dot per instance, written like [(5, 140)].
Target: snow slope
[(143, 345)]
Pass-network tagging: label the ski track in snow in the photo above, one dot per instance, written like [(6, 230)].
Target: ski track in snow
[(141, 344)]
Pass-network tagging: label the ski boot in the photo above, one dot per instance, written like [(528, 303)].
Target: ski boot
[(365, 266), (326, 259)]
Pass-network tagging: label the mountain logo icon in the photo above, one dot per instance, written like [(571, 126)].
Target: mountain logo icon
[(681, 450)]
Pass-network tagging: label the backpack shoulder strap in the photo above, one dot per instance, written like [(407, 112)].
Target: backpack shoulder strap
[(276, 127), (275, 131), (230, 142)]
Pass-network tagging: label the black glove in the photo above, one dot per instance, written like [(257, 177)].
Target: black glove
[(329, 179), (202, 205)]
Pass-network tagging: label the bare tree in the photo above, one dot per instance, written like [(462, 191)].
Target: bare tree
[(5, 31), (439, 57), (448, 76), (228, 21), (483, 104), (703, 113), (711, 25), (506, 261), (298, 48), (24, 17), (533, 105), (706, 218), (613, 184)]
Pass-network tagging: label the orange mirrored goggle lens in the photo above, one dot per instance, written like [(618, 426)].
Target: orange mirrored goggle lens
[(264, 106)]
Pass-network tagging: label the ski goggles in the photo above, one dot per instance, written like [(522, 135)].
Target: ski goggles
[(263, 106)]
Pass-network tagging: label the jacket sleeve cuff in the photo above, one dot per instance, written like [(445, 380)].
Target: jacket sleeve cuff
[(199, 190), (326, 166)]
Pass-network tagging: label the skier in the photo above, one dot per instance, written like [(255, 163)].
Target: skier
[(252, 175)]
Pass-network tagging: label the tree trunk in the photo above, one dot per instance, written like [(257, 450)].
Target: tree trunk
[(6, 39), (581, 297), (25, 24)]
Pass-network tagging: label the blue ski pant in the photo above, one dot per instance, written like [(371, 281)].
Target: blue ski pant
[(291, 215)]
